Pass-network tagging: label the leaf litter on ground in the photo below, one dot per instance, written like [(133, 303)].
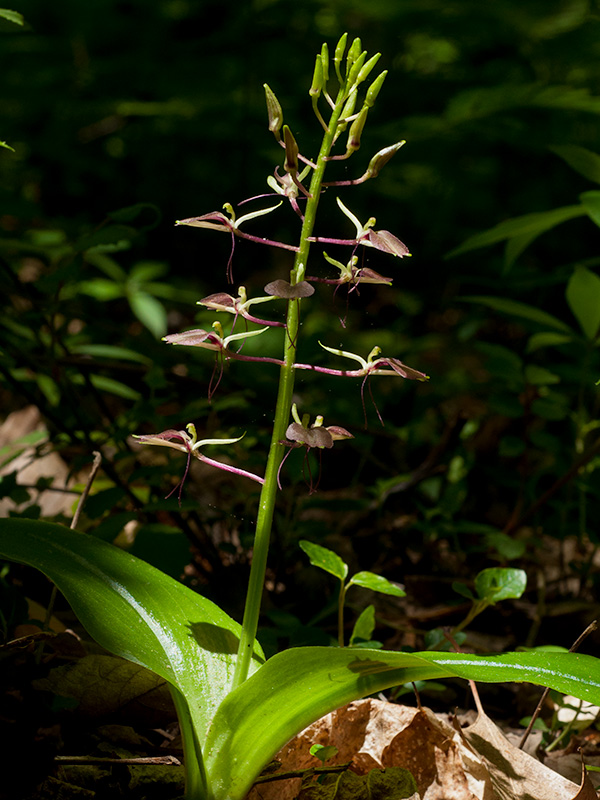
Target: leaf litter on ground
[(447, 762)]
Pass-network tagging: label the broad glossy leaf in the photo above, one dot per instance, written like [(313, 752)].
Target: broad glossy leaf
[(377, 583), (298, 686), (583, 297), (529, 225), (134, 610), (325, 559), (500, 583), (517, 309)]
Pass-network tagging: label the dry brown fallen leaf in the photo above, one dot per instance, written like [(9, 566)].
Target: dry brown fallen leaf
[(516, 775), (111, 687), (447, 764)]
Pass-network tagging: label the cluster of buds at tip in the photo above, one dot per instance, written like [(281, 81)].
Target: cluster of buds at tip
[(187, 441)]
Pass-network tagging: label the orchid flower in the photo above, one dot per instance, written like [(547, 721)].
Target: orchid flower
[(217, 221), (212, 340), (238, 305), (187, 442), (372, 365), (300, 434), (365, 235), (286, 186), (349, 274)]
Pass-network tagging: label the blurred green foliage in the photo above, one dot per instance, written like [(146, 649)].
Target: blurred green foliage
[(157, 110)]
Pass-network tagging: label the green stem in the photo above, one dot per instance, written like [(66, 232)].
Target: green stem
[(341, 599), (264, 520)]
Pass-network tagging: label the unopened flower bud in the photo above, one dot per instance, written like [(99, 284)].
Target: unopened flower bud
[(356, 130), (317, 81), (348, 110), (291, 151), (356, 68), (274, 111), (366, 69), (381, 158), (353, 54), (339, 49), (325, 62), (375, 87)]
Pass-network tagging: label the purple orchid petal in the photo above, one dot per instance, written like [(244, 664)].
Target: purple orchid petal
[(401, 369), (196, 338), (386, 242)]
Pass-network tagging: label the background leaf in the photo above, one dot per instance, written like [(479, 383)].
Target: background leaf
[(583, 161), (529, 225), (583, 297), (591, 202), (518, 309)]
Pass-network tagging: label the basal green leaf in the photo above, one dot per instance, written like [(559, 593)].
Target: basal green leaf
[(583, 297), (134, 610), (325, 559), (377, 583), (583, 161), (514, 308), (500, 583), (298, 686), (531, 225)]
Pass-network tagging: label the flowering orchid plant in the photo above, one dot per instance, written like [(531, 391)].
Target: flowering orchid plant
[(236, 709)]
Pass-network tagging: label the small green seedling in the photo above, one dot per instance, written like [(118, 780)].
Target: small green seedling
[(323, 752), (491, 585), (330, 562)]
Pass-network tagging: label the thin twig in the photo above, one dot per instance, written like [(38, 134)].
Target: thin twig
[(473, 686), (592, 451), (167, 761), (590, 629), (84, 495), (301, 773)]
